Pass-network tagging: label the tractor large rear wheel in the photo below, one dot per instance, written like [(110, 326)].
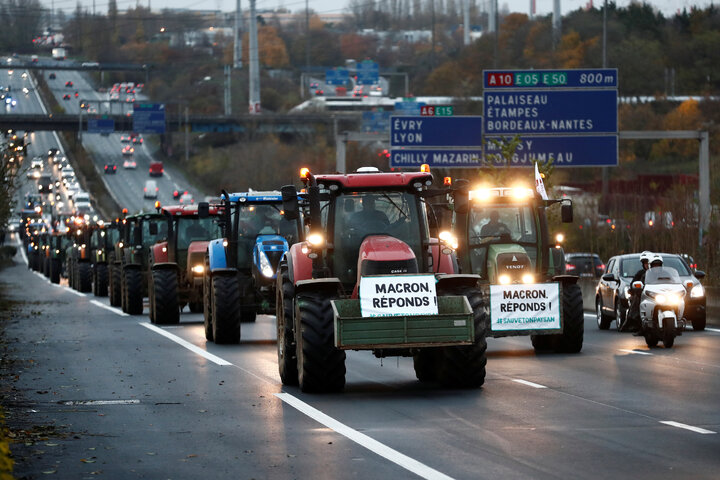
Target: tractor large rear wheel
[(100, 280), (425, 363), (571, 340), (287, 360), (321, 366), (133, 291), (84, 277), (225, 309), (115, 285), (207, 307), (464, 366), (55, 268), (164, 302)]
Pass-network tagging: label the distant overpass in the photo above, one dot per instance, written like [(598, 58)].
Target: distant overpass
[(70, 65), (300, 124)]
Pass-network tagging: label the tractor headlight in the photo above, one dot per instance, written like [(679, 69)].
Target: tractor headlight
[(528, 278), (198, 269), (265, 267), (315, 240), (448, 240), (697, 291), (504, 279)]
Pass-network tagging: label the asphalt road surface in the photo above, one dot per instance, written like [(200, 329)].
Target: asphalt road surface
[(126, 399)]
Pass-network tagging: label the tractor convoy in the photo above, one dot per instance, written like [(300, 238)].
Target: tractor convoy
[(382, 262)]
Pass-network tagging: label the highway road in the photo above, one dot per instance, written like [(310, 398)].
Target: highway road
[(132, 400), (127, 184), (110, 395)]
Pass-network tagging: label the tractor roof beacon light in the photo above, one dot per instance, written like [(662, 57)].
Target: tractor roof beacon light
[(425, 168)]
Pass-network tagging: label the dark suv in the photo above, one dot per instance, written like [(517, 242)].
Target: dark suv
[(584, 264), (612, 292)]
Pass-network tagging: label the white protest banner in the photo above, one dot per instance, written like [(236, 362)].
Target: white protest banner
[(393, 295), (525, 307)]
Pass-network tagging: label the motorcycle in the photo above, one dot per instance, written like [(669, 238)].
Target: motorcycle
[(662, 304)]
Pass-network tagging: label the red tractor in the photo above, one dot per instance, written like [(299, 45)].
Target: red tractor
[(177, 265), (370, 277)]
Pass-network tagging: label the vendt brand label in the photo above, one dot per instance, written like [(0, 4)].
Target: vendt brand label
[(525, 307), (389, 295)]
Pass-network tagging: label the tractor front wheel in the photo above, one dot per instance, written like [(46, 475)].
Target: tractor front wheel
[(287, 360), (321, 366), (164, 303), (133, 291), (225, 309)]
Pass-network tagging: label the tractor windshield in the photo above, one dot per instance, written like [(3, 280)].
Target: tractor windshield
[(500, 224), (192, 229), (162, 230), (261, 219), (360, 214)]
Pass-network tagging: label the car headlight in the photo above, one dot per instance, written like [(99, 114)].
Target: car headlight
[(198, 269), (697, 291), (265, 267)]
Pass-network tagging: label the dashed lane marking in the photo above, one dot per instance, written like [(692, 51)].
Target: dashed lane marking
[(529, 384), (112, 309), (102, 402), (410, 464), (635, 352), (184, 343), (688, 427)]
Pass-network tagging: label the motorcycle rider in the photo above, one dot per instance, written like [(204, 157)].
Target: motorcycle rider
[(632, 321)]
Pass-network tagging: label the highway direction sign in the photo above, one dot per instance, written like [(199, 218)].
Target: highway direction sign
[(557, 79), (336, 76), (423, 132), (511, 112), (441, 157), (368, 73), (149, 117), (564, 151), (100, 125)]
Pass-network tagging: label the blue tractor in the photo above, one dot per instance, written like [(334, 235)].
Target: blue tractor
[(239, 280)]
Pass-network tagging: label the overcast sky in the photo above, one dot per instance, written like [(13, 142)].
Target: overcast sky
[(668, 7)]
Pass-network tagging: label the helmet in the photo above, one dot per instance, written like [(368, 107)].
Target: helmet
[(656, 259), (645, 256)]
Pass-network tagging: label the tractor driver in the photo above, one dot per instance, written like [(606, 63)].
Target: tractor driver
[(494, 228), (369, 218)]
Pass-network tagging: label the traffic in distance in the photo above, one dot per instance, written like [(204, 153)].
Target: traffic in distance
[(326, 279)]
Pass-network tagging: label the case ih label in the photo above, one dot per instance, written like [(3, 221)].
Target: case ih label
[(387, 295), (525, 307)]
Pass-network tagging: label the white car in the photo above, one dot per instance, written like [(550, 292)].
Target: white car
[(130, 164), (71, 189), (187, 199), (151, 189)]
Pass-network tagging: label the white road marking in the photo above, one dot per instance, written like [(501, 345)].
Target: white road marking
[(363, 440), (193, 348), (716, 330), (529, 384), (112, 309), (688, 427), (102, 402), (39, 274), (74, 291), (635, 352)]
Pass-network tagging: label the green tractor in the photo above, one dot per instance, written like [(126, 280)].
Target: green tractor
[(503, 236)]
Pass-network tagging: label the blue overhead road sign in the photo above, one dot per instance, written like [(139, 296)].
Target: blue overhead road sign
[(442, 157), (511, 112), (149, 117), (423, 132), (336, 76), (368, 73), (100, 125), (556, 79), (564, 151)]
